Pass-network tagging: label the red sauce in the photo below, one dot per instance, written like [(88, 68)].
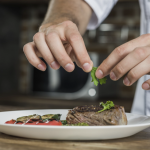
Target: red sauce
[(39, 122)]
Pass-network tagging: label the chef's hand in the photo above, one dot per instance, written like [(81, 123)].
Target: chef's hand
[(59, 45), (131, 59)]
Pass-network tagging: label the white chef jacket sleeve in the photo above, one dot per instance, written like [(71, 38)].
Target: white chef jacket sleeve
[(101, 9)]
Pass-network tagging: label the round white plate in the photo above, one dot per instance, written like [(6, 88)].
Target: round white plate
[(136, 123)]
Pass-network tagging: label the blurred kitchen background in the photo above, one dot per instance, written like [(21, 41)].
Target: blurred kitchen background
[(21, 85)]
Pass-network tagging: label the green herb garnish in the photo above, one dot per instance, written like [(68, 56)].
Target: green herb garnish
[(64, 122), (78, 124), (94, 79), (56, 116), (103, 80), (107, 105)]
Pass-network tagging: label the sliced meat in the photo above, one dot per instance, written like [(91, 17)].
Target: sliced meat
[(90, 115)]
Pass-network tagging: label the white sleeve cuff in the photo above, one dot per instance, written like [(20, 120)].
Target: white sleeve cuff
[(101, 9)]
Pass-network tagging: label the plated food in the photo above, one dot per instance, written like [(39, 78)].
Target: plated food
[(91, 116), (105, 114), (48, 119)]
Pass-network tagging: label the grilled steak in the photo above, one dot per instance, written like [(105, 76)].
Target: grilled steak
[(90, 115)]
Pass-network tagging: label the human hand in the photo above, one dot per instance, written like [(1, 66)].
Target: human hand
[(59, 45), (131, 59)]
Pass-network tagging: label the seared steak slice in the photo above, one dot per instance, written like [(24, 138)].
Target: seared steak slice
[(90, 115)]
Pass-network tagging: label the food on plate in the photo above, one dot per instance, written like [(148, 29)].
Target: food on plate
[(105, 114), (24, 119), (51, 117), (48, 119), (94, 116), (95, 80), (10, 122), (78, 124)]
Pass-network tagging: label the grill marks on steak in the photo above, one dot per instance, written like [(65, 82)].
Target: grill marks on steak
[(89, 115)]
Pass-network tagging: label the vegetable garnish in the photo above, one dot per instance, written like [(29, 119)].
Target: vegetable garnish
[(51, 117), (107, 105), (94, 79), (78, 124), (64, 122), (103, 80)]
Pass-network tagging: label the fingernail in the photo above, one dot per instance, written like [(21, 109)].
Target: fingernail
[(87, 67), (99, 74), (126, 81), (54, 65), (69, 67), (112, 76), (41, 67), (146, 86)]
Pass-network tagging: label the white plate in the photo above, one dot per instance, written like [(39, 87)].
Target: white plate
[(136, 123)]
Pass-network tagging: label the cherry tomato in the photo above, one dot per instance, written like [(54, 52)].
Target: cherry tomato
[(10, 122)]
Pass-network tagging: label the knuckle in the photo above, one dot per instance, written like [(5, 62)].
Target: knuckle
[(148, 59), (37, 36), (105, 65), (63, 59), (145, 36), (25, 47), (75, 37), (119, 69), (51, 35), (132, 74), (48, 58), (140, 53), (120, 51), (68, 23), (148, 35), (32, 60)]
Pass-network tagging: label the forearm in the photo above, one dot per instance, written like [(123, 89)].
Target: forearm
[(76, 11)]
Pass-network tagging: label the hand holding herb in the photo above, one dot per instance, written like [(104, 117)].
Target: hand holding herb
[(95, 80)]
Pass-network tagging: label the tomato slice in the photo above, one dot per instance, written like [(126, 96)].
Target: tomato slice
[(51, 123), (10, 121), (33, 123), (30, 122)]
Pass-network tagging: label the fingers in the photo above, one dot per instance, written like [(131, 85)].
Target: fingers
[(75, 49), (81, 54), (146, 85), (30, 52), (119, 53), (39, 40), (55, 45), (48, 43), (137, 72), (129, 62)]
